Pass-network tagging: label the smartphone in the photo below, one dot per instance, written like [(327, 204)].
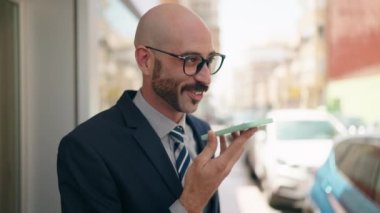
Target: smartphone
[(239, 127)]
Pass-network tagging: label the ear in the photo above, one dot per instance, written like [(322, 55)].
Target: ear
[(144, 60)]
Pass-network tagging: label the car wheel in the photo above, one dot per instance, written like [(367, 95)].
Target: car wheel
[(250, 168), (269, 196), (259, 170)]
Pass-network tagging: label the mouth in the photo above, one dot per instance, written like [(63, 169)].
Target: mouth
[(195, 95), (195, 91)]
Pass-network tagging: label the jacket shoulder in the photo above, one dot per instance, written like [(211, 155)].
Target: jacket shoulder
[(98, 125), (201, 125)]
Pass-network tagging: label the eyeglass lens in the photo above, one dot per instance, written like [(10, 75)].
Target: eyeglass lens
[(193, 64)]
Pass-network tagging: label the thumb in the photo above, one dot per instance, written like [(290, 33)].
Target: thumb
[(210, 148)]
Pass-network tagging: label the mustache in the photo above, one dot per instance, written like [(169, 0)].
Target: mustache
[(197, 87)]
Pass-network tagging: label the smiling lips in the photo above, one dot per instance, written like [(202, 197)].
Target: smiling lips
[(194, 95), (196, 91)]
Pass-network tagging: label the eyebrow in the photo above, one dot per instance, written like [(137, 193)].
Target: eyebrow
[(197, 53)]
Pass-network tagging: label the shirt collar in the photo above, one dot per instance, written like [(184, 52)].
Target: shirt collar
[(160, 123)]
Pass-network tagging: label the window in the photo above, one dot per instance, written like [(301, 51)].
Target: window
[(299, 130), (117, 70), (341, 152), (361, 165)]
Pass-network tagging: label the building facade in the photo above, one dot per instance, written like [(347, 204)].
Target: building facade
[(353, 43)]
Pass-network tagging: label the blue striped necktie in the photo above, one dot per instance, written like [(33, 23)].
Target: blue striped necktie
[(180, 152)]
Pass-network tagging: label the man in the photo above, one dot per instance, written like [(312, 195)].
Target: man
[(145, 153)]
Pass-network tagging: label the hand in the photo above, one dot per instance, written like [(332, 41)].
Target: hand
[(205, 174)]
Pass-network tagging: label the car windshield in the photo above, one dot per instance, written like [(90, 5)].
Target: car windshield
[(301, 130)]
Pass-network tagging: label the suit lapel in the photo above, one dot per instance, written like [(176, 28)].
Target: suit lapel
[(149, 142), (152, 146)]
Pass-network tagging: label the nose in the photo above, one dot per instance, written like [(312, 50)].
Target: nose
[(204, 74)]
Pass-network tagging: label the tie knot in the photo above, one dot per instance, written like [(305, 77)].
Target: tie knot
[(177, 134), (179, 129)]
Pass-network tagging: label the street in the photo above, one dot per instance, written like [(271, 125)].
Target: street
[(240, 194)]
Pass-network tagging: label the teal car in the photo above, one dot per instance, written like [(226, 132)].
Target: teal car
[(349, 181)]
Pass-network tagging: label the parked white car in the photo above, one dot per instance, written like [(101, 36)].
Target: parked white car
[(285, 156)]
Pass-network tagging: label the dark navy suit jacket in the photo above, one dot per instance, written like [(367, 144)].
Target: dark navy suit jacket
[(115, 162)]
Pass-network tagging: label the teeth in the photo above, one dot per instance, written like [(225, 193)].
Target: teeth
[(198, 93)]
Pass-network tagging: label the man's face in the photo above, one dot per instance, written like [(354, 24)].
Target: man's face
[(182, 93)]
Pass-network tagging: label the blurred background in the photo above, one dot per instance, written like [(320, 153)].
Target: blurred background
[(64, 61)]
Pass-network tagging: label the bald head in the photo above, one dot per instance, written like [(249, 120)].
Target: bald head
[(169, 25)]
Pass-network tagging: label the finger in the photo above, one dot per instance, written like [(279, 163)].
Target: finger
[(210, 148), (234, 151), (234, 135), (254, 129), (223, 144), (246, 134)]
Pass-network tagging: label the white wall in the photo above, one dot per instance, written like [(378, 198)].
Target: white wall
[(48, 97)]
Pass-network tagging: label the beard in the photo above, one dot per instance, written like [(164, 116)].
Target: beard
[(169, 89), (165, 88)]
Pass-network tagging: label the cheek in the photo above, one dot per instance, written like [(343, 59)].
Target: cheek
[(174, 71), (170, 78), (175, 83)]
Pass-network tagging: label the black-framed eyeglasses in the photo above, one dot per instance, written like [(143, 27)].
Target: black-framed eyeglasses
[(193, 63)]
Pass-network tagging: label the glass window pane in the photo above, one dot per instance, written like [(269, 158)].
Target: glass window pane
[(341, 152), (361, 166), (117, 70), (298, 130)]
